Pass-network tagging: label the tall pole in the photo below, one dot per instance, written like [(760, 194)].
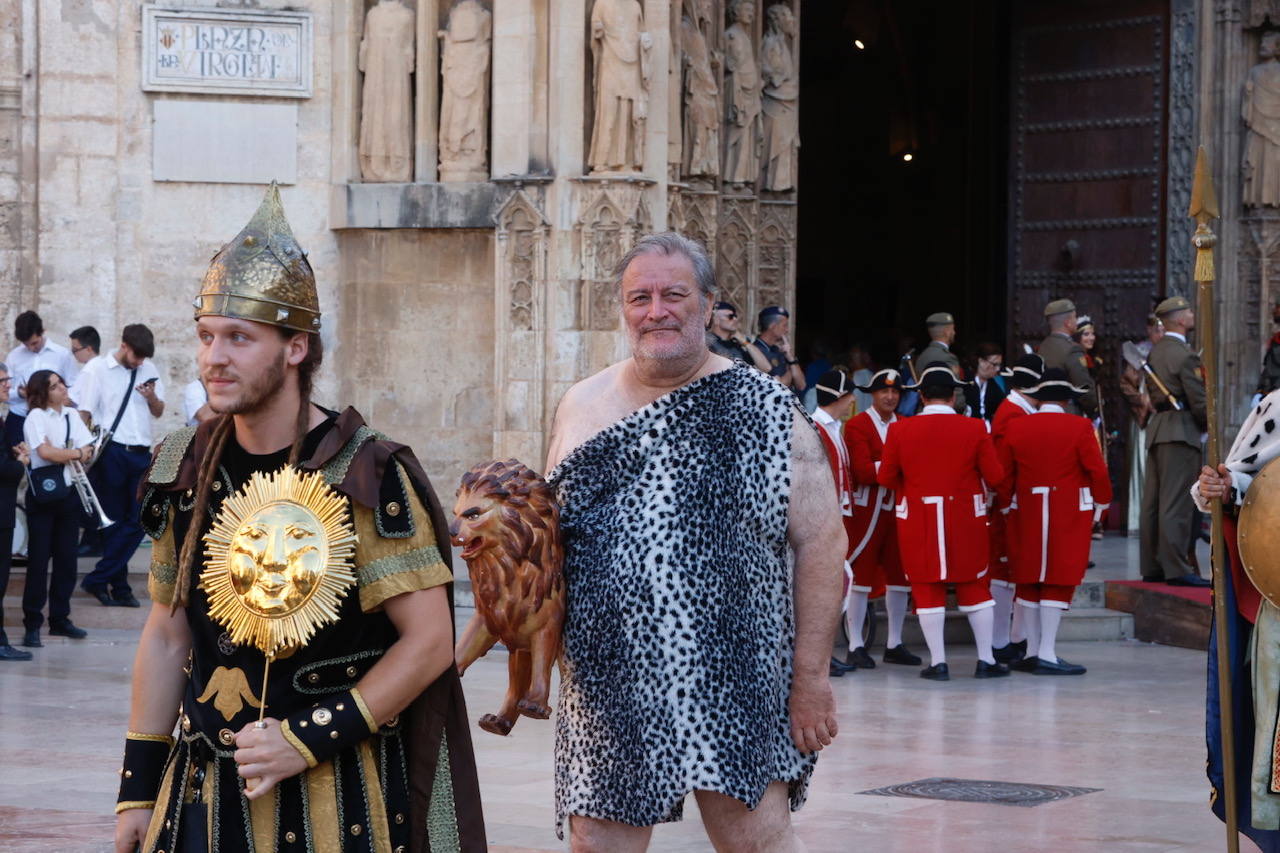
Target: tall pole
[(1204, 207)]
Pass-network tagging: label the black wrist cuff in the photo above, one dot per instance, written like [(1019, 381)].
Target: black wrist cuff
[(144, 759), (336, 722)]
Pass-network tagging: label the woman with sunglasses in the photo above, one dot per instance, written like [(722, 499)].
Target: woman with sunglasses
[(56, 436)]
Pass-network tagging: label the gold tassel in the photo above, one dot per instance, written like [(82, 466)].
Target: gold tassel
[(1204, 264)]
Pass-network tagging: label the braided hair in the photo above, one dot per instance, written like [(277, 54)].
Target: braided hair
[(213, 458)]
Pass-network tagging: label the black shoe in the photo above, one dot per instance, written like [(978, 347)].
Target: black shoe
[(100, 593), (937, 672), (125, 600), (1011, 652), (990, 670), (67, 629), (8, 652), (1058, 667), (838, 667), (1152, 579), (31, 639), (832, 672), (1026, 664), (859, 659), (899, 654), (1190, 580)]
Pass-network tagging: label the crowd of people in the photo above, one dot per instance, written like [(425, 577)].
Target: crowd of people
[(1001, 556), (702, 589)]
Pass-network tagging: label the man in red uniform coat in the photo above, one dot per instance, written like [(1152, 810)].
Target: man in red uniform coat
[(938, 464), (1008, 639), (1055, 471), (835, 402), (873, 543)]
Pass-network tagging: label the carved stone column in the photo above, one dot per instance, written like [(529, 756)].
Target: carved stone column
[(521, 328)]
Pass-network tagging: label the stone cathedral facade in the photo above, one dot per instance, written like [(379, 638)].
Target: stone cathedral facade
[(465, 174), (440, 169)]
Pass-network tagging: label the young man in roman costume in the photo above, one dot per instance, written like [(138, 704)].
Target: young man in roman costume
[(365, 738)]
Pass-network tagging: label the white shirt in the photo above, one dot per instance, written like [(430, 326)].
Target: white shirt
[(48, 423), (22, 362), (833, 426), (103, 385), (938, 409), (1021, 402), (194, 396), (1180, 337), (1050, 407)]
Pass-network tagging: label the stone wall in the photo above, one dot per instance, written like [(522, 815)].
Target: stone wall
[(112, 246), (417, 359)]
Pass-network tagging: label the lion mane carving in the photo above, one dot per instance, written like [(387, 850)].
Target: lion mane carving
[(508, 525)]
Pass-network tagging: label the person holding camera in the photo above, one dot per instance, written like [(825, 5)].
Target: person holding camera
[(56, 436), (123, 393)]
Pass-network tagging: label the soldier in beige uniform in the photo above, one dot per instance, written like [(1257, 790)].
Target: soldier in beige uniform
[(942, 333), (1061, 351), (1173, 450)]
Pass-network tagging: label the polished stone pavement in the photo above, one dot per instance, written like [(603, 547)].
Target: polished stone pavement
[(1133, 727)]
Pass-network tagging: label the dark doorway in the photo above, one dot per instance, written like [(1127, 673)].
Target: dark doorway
[(903, 173)]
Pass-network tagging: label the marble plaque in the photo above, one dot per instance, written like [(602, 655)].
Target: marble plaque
[(224, 142), (218, 51)]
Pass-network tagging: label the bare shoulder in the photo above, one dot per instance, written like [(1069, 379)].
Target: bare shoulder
[(806, 446), (583, 411)]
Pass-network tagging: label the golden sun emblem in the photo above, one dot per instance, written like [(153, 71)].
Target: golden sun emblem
[(278, 560)]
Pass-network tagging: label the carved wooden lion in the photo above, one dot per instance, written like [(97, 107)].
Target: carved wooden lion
[(508, 526)]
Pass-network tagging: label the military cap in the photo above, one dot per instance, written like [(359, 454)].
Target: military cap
[(833, 385), (1059, 306), (887, 378), (768, 313), (725, 306), (1173, 303), (942, 318)]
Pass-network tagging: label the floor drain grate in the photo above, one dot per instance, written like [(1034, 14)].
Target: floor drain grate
[(981, 791)]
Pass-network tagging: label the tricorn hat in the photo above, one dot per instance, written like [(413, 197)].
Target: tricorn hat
[(1026, 371), (1055, 386), (262, 275), (833, 385), (938, 377), (887, 378)]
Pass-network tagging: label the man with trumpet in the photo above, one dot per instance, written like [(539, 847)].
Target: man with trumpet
[(123, 392)]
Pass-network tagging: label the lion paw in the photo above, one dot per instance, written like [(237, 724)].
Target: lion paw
[(494, 724), (536, 710)]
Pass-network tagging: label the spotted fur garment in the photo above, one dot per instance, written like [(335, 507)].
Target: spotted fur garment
[(680, 631), (1257, 443)]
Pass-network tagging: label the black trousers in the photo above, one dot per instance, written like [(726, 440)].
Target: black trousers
[(6, 563), (53, 532), (13, 429)]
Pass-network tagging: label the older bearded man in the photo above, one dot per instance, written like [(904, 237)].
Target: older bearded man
[(695, 659)]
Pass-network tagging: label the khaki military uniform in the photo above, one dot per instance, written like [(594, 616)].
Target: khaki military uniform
[(1173, 461), (1059, 350), (937, 353)]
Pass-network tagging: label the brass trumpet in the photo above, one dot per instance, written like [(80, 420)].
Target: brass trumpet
[(88, 498)]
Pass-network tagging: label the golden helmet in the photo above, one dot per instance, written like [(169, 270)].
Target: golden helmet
[(262, 274)]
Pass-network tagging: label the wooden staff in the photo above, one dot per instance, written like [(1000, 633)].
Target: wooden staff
[(1204, 207)]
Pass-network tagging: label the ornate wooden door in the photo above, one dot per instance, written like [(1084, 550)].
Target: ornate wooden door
[(1087, 161)]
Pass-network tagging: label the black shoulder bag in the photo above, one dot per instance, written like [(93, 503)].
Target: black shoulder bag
[(48, 483)]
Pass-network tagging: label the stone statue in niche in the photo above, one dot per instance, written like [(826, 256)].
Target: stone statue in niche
[(386, 120), (464, 104), (621, 53), (701, 93), (781, 89), (742, 97), (1262, 117)]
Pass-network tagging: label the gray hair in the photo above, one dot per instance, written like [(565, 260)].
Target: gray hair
[(670, 243)]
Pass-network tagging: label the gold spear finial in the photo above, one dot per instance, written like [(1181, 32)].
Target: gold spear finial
[(1204, 206)]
